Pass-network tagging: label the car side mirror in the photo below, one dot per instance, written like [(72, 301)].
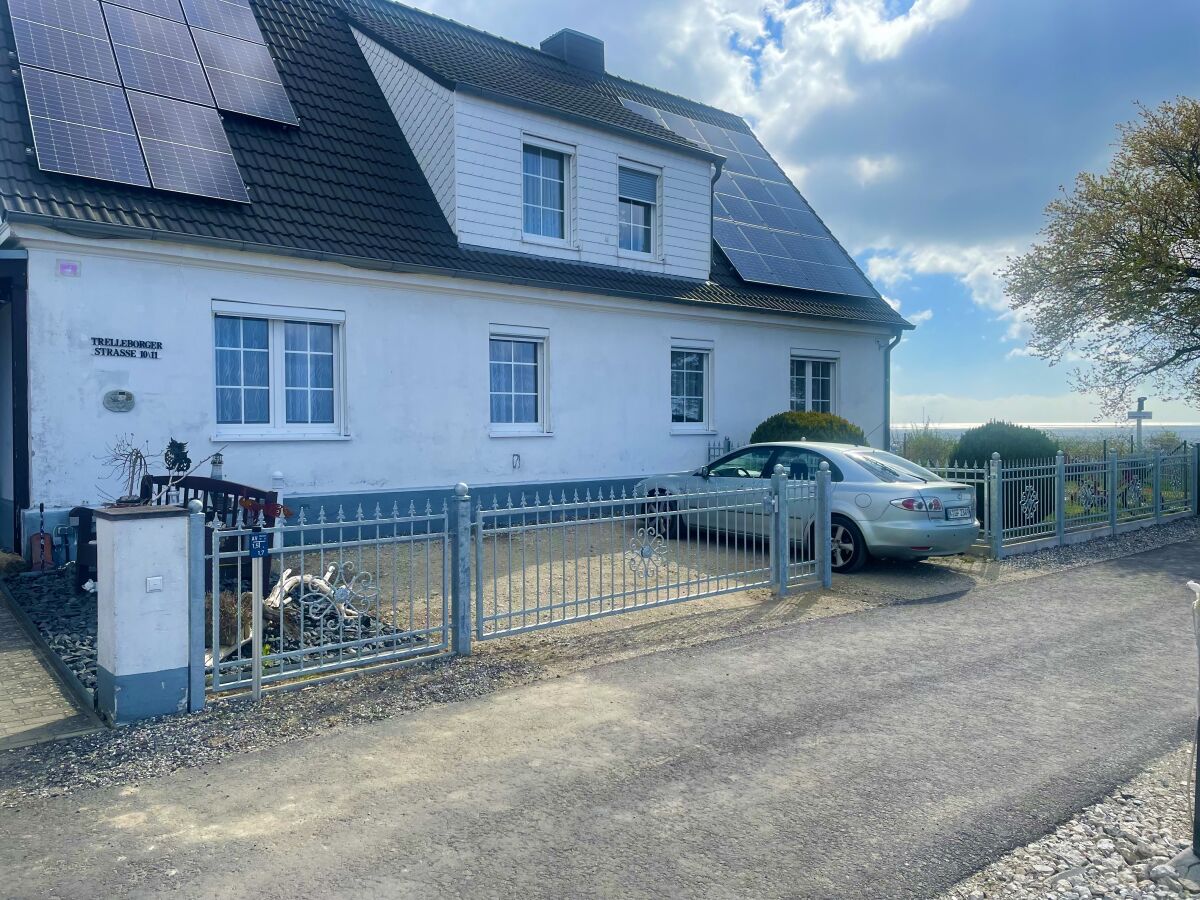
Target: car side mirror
[(702, 472)]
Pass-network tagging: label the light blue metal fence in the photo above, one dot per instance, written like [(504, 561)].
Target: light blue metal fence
[(341, 593), (337, 593), (1030, 504), (545, 562)]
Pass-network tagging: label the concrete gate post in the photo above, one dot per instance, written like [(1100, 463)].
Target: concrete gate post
[(143, 614)]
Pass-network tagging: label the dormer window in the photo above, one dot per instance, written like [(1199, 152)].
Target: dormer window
[(545, 192), (638, 199)]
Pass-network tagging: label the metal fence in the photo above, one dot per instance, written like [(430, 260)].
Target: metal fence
[(341, 593), (1029, 504), (338, 593), (543, 563)]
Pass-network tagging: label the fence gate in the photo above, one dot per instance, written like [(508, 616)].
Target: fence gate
[(551, 561), (340, 593)]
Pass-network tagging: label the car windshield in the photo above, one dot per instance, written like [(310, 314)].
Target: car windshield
[(890, 467)]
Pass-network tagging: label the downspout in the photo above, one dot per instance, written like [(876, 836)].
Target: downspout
[(887, 390)]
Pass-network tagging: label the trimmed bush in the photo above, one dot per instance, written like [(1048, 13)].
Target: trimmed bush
[(1026, 500), (1014, 443), (812, 426)]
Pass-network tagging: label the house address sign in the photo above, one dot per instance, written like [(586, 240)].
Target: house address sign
[(124, 347)]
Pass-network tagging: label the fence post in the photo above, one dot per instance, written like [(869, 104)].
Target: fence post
[(197, 621), (995, 491), (1193, 481), (1112, 490), (143, 637), (824, 528), (1060, 496), (781, 550), (460, 571), (1157, 482)]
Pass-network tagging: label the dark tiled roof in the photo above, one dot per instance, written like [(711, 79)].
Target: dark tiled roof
[(345, 185)]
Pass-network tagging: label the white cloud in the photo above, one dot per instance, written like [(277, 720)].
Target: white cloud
[(920, 318), (869, 169), (975, 267)]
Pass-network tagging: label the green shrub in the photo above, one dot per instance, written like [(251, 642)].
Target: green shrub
[(812, 426), (925, 444), (1014, 443), (1026, 500)]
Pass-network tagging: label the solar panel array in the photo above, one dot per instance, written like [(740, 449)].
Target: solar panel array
[(760, 221), (128, 90)]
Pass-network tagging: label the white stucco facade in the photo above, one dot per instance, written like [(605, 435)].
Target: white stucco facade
[(413, 369)]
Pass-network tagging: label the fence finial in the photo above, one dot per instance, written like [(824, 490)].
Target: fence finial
[(461, 489)]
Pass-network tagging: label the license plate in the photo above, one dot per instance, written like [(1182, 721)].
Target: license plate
[(958, 512)]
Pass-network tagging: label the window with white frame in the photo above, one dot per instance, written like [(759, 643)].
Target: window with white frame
[(517, 382), (545, 178), (276, 372), (637, 201), (690, 373), (812, 385)]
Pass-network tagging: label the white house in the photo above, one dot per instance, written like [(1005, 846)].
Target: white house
[(454, 258)]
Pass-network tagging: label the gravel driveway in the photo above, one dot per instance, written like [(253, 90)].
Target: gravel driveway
[(885, 754)]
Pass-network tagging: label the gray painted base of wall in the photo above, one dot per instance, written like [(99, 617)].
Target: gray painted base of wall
[(7, 538), (122, 699), (311, 504)]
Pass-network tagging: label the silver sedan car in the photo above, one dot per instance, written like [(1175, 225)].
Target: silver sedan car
[(883, 505)]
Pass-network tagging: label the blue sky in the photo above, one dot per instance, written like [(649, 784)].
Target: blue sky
[(929, 135)]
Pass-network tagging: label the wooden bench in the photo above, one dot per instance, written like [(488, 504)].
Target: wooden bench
[(222, 502)]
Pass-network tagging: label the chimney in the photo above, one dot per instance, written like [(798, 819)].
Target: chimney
[(576, 49)]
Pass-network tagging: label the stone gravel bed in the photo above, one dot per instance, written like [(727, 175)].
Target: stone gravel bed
[(1119, 848), (64, 618)]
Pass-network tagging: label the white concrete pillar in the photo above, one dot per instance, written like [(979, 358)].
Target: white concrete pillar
[(142, 612)]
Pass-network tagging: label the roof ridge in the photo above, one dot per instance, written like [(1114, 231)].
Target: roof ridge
[(538, 55)]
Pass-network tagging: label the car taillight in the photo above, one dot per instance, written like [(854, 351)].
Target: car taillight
[(917, 504)]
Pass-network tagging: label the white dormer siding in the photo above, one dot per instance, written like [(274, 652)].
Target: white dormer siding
[(471, 152), (425, 112), (489, 143)]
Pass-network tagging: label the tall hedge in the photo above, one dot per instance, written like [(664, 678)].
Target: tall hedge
[(1013, 443), (1027, 500), (812, 426)]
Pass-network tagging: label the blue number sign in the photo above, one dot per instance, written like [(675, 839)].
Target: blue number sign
[(258, 546)]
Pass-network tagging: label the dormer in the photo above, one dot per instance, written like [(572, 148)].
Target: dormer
[(600, 187)]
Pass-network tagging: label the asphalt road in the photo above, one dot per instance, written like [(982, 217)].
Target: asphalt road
[(878, 755)]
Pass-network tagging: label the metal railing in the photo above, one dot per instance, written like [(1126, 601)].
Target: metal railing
[(340, 593), (1029, 504), (312, 599), (549, 562)]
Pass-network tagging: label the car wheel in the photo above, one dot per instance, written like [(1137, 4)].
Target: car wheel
[(848, 550), (660, 516)]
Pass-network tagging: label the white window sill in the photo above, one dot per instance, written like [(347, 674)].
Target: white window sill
[(540, 241), (622, 253), (278, 436), (692, 429), (502, 433)]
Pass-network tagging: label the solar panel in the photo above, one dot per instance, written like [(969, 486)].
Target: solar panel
[(65, 36), (156, 55), (82, 127), (167, 9), (760, 221), (186, 148), (243, 77), (231, 17)]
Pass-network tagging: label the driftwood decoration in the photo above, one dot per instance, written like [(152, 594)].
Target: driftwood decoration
[(297, 602)]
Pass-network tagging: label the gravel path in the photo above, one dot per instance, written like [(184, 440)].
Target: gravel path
[(874, 756), (230, 727), (1119, 848)]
